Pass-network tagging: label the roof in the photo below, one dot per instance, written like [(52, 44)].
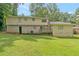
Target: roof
[(61, 23), (25, 17), (75, 27)]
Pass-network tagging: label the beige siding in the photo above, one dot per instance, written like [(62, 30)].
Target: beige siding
[(29, 21), (67, 31), (13, 29), (28, 24), (46, 29), (12, 21), (24, 21), (28, 29)]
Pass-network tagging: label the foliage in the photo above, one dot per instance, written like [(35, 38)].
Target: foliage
[(14, 9), (38, 9), (6, 9), (49, 10), (77, 11), (53, 12), (65, 17), (75, 17)]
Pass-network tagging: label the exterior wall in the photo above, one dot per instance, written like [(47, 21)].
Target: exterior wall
[(13, 29), (29, 21), (27, 24), (12, 21), (46, 29), (36, 26), (66, 31), (28, 29), (24, 21), (35, 29)]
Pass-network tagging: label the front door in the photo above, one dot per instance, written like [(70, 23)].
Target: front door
[(20, 30)]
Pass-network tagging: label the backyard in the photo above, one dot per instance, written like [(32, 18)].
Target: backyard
[(38, 45)]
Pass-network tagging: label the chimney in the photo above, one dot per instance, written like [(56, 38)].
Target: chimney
[(47, 20)]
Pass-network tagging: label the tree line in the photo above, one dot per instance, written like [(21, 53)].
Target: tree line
[(49, 10), (7, 9), (53, 13)]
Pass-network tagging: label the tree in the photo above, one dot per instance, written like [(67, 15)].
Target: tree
[(4, 12), (6, 9), (38, 9), (75, 17), (77, 11), (45, 9), (53, 12), (14, 9), (65, 17)]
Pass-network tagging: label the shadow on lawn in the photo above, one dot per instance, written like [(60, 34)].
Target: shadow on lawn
[(36, 37), (74, 37), (8, 40), (5, 43)]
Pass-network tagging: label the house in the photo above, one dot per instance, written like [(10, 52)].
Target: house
[(61, 29), (37, 25), (23, 24)]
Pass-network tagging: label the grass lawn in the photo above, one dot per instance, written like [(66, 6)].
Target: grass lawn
[(38, 45)]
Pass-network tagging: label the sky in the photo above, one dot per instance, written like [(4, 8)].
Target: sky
[(64, 7)]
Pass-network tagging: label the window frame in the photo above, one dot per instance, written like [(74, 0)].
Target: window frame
[(33, 19), (25, 19), (43, 20), (19, 19), (60, 28)]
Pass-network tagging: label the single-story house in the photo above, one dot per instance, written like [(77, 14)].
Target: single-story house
[(61, 29), (37, 25)]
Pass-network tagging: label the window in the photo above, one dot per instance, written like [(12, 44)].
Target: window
[(20, 19), (33, 19), (60, 27), (25, 19), (43, 20)]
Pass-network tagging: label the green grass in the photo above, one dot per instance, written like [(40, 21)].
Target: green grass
[(38, 45)]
